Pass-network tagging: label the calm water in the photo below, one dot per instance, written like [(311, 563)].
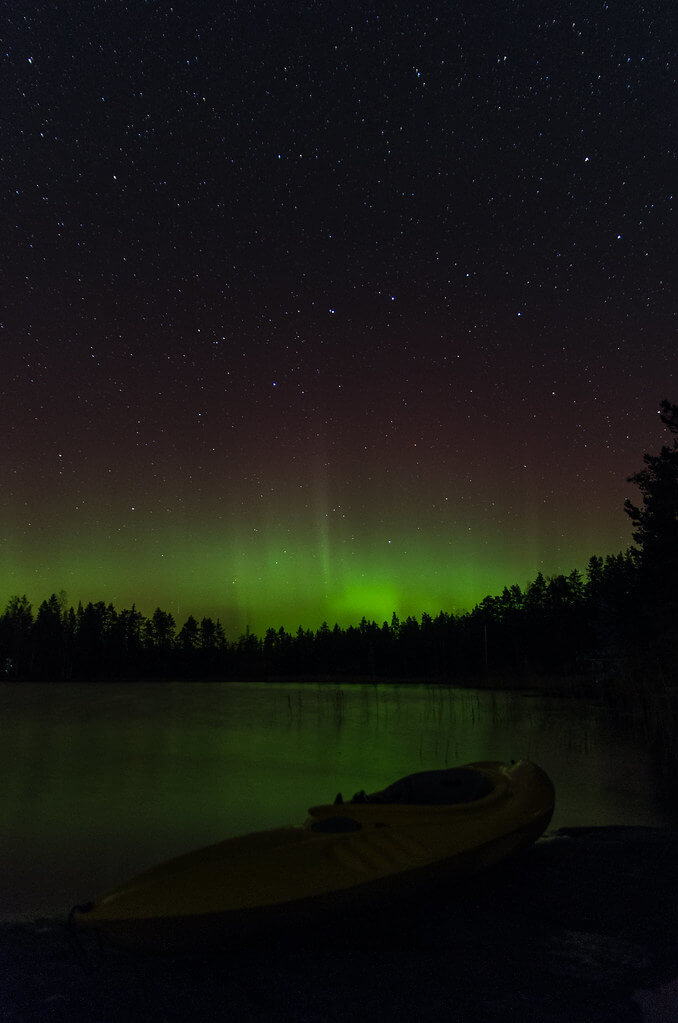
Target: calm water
[(101, 781)]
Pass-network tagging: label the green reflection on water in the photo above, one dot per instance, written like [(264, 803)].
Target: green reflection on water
[(101, 781)]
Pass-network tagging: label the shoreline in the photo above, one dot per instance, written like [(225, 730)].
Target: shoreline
[(582, 926), (550, 685)]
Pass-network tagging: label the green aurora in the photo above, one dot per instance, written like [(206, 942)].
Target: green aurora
[(258, 576), (314, 314)]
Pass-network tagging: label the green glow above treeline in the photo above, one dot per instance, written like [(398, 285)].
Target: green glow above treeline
[(260, 579)]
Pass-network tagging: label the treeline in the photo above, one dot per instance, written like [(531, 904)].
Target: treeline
[(561, 625), (621, 617)]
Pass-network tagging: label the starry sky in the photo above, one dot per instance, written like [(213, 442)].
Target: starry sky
[(315, 310)]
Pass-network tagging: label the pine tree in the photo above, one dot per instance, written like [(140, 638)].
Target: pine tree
[(655, 525), (655, 522)]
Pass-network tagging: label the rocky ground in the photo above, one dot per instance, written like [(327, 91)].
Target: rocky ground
[(584, 927)]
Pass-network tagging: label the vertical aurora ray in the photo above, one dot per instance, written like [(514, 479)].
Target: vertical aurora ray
[(322, 526)]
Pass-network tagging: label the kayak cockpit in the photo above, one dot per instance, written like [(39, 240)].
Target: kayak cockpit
[(447, 787)]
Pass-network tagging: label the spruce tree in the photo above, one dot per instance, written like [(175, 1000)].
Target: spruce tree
[(655, 522), (655, 530)]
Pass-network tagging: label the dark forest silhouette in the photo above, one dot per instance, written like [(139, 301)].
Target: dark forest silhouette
[(619, 618)]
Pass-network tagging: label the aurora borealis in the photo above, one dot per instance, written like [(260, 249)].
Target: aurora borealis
[(315, 311)]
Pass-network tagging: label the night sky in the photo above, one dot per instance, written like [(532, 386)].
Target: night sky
[(319, 310)]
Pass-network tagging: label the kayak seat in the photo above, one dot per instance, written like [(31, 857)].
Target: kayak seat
[(432, 788), (336, 825)]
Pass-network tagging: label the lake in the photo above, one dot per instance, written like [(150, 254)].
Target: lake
[(100, 781)]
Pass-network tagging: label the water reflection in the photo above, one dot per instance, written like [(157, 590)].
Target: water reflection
[(103, 780)]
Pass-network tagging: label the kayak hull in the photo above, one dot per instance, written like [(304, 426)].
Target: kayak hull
[(285, 876)]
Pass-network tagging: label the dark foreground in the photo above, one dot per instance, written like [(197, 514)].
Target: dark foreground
[(584, 927)]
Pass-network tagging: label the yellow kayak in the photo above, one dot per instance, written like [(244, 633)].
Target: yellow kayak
[(457, 821)]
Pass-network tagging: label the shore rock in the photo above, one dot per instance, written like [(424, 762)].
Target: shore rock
[(583, 927)]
